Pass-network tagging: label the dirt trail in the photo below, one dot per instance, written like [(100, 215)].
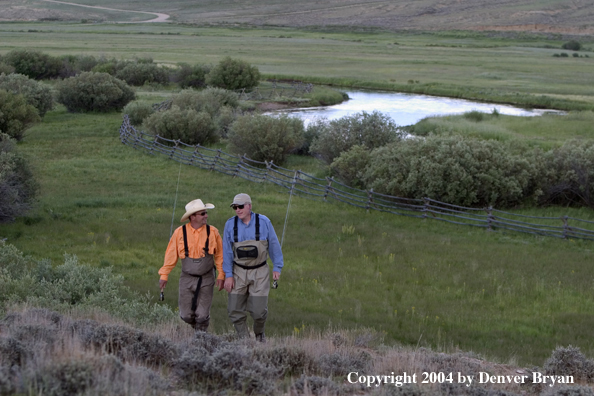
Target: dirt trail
[(160, 17)]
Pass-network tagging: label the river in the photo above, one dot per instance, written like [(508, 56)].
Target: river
[(403, 108)]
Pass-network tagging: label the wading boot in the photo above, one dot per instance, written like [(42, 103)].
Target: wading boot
[(261, 338), (242, 330)]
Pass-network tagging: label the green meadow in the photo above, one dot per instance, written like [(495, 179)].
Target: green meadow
[(509, 297)]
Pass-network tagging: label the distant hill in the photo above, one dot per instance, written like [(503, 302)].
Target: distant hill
[(551, 16)]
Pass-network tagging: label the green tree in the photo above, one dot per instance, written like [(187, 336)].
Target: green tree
[(233, 74), (34, 64)]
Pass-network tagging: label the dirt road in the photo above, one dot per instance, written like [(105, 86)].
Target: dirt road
[(160, 17)]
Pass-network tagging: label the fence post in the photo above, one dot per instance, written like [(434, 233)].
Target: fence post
[(489, 218), (328, 187), (425, 207), (173, 149), (194, 154), (154, 144), (238, 166), (369, 199), (214, 161), (565, 227)]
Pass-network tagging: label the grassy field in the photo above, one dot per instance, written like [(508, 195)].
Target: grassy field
[(547, 131), (509, 297), (520, 71)]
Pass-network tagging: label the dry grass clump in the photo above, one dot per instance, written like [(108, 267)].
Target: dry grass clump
[(44, 352)]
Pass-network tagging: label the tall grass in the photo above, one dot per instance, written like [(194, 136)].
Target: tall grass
[(506, 296)]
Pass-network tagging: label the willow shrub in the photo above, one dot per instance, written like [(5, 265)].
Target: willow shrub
[(17, 185), (16, 115), (138, 112), (210, 100), (232, 73), (263, 138), (189, 126), (350, 166), (138, 74), (36, 93), (570, 174), (370, 130), (456, 170), (90, 91)]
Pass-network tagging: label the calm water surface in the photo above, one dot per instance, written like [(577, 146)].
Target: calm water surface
[(404, 109)]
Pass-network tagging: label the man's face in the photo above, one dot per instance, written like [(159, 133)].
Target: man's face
[(244, 212), (199, 219)]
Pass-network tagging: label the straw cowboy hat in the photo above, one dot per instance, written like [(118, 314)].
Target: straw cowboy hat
[(195, 206)]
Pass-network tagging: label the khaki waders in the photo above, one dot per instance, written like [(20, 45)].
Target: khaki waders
[(252, 283), (196, 286)]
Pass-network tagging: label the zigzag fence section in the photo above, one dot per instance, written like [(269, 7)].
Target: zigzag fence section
[(328, 189)]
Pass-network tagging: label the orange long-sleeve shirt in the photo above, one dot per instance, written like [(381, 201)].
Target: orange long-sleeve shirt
[(196, 240)]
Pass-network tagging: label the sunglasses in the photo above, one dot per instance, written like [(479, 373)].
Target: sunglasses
[(201, 213), (235, 207)]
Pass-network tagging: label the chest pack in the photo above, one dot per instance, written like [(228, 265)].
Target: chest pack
[(249, 254)]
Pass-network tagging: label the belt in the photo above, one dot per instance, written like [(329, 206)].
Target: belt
[(252, 267)]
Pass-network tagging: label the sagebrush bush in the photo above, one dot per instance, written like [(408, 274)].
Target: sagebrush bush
[(570, 361), (456, 170), (143, 73), (36, 93), (263, 138), (138, 112), (65, 378), (569, 176), (91, 91), (73, 285), (370, 130), (16, 115), (232, 74), (33, 64), (18, 187), (315, 385), (188, 76), (189, 126)]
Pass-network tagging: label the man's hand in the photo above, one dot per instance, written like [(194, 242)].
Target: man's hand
[(275, 275), (220, 284), (229, 284), (162, 284)]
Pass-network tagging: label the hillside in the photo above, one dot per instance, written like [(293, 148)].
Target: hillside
[(544, 16)]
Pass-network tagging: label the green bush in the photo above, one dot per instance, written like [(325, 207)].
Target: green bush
[(17, 185), (264, 138), (94, 92), (223, 120), (16, 115), (189, 126), (569, 176), (191, 76), (233, 74), (370, 130), (36, 93), (572, 45), (33, 64), (309, 135), (351, 165), (456, 170), (138, 112), (474, 115), (138, 74)]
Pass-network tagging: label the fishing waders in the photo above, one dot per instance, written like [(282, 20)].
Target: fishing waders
[(196, 286), (252, 284)]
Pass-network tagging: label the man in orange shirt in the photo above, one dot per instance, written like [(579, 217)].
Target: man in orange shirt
[(200, 248)]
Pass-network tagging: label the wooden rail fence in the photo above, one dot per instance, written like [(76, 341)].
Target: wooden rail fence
[(328, 189)]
